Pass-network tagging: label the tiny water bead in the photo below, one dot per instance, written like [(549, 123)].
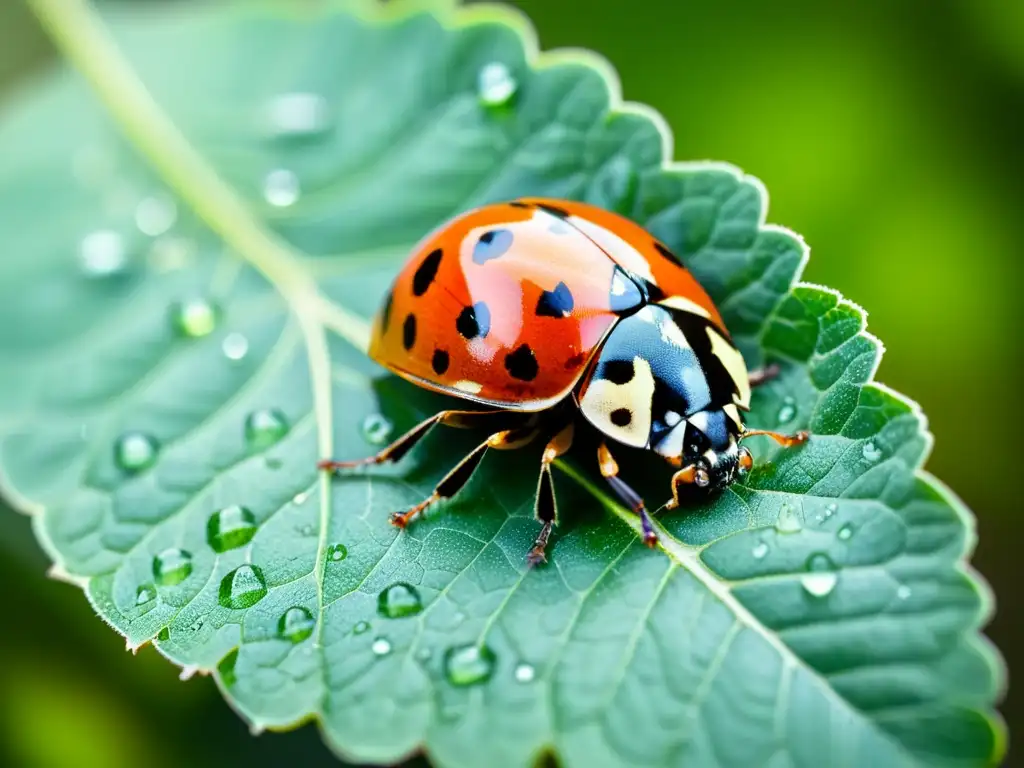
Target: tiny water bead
[(821, 576), (135, 451), (194, 318), (788, 411), (759, 551), (102, 253), (399, 600), (281, 188), (495, 84), (296, 624), (377, 429), (265, 427), (790, 519), (155, 215), (468, 664), (845, 533), (298, 115), (903, 592), (300, 498), (172, 566), (381, 646), (230, 528), (243, 587), (361, 627), (525, 673), (144, 594), (235, 346), (871, 452), (337, 552)]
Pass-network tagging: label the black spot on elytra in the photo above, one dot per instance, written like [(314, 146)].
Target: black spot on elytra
[(474, 322), (521, 363), (667, 253), (426, 272), (618, 371), (554, 210), (439, 362), (409, 331), (556, 303), (492, 245), (621, 417)]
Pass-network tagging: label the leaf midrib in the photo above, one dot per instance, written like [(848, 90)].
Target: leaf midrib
[(85, 42)]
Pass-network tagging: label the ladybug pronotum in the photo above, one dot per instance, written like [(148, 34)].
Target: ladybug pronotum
[(548, 310)]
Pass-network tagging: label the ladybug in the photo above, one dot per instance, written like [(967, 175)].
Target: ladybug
[(544, 310)]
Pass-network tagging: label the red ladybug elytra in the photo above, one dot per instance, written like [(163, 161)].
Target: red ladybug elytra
[(547, 309)]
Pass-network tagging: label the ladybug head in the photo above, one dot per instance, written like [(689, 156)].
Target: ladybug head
[(705, 446)]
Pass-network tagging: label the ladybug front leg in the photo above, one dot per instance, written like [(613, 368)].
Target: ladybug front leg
[(405, 443), (763, 375), (610, 472), (453, 482), (545, 508)]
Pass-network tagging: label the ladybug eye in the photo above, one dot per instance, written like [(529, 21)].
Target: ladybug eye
[(746, 461)]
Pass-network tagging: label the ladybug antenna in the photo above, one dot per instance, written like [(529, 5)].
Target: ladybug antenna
[(691, 474), (786, 441)]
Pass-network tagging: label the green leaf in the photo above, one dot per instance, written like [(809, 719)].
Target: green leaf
[(189, 265)]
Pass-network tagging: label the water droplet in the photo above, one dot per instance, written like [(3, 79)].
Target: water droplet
[(381, 647), (788, 411), (760, 550), (164, 634), (102, 253), (194, 318), (790, 519), (468, 664), (230, 528), (135, 451), (337, 552), (903, 592), (265, 427), (235, 346), (298, 115), (281, 188), (846, 532), (243, 587), (300, 498), (361, 627), (830, 510), (495, 85), (155, 215), (399, 600), (525, 673), (821, 576), (172, 566), (377, 428), (871, 452), (145, 594), (296, 624)]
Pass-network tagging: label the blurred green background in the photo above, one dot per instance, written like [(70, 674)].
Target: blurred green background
[(889, 134)]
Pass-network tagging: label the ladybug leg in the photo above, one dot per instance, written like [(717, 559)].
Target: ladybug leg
[(545, 509), (453, 482), (401, 446), (786, 441), (763, 375), (610, 472)]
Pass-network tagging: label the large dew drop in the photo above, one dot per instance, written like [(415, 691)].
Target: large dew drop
[(759, 551), (790, 519), (135, 452), (194, 318), (468, 664), (495, 85), (381, 646), (524, 673), (172, 566), (281, 188), (235, 347), (787, 412), (243, 587), (102, 253), (821, 576), (296, 624), (399, 600), (265, 427), (230, 528)]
